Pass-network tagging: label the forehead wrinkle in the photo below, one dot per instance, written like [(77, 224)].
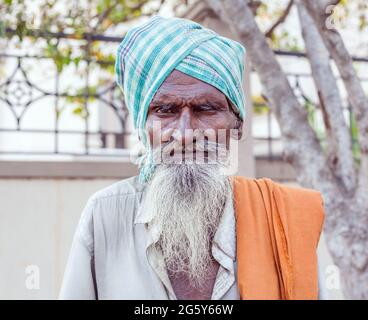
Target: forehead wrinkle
[(176, 100), (165, 95)]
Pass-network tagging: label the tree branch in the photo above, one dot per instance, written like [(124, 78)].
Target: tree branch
[(338, 137), (280, 20)]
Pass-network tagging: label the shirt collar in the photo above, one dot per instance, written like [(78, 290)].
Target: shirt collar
[(144, 215), (225, 236)]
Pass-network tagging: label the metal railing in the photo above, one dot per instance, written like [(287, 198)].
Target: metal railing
[(20, 95)]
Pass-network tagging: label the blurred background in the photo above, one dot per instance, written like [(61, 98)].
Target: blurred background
[(65, 131)]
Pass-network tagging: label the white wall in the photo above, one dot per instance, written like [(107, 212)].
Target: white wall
[(37, 222)]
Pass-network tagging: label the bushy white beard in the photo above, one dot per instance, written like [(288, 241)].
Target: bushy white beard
[(187, 201)]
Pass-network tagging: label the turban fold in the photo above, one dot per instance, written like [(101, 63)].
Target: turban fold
[(151, 51)]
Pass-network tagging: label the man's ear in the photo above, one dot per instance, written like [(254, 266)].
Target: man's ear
[(238, 132)]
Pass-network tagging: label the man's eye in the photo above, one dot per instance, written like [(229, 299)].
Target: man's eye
[(164, 109), (206, 107)]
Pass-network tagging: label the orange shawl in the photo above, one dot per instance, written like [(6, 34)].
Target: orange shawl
[(278, 229)]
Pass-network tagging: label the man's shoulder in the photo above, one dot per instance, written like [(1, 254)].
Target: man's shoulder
[(285, 186), (298, 192), (287, 192), (109, 200), (107, 205), (119, 189)]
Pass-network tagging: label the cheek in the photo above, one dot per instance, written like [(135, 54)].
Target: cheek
[(219, 121), (221, 125), (157, 131), (229, 123)]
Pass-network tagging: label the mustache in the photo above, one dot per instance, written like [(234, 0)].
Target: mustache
[(209, 149)]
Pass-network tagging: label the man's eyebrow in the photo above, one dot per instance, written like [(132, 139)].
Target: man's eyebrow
[(199, 101), (162, 101)]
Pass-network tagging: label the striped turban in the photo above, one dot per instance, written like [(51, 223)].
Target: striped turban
[(151, 51)]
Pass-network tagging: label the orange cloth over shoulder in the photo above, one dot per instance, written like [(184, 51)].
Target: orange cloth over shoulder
[(278, 229)]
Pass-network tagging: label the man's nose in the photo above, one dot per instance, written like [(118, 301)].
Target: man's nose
[(185, 127)]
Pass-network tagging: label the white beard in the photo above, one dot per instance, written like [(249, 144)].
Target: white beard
[(187, 201)]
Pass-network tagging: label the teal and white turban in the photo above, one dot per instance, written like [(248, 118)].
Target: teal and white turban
[(150, 51)]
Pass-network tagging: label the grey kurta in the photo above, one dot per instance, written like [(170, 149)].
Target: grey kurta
[(113, 256)]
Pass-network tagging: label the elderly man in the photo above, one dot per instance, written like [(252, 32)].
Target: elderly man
[(183, 228)]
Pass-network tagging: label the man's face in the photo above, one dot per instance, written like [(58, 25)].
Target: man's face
[(189, 219), (184, 104)]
